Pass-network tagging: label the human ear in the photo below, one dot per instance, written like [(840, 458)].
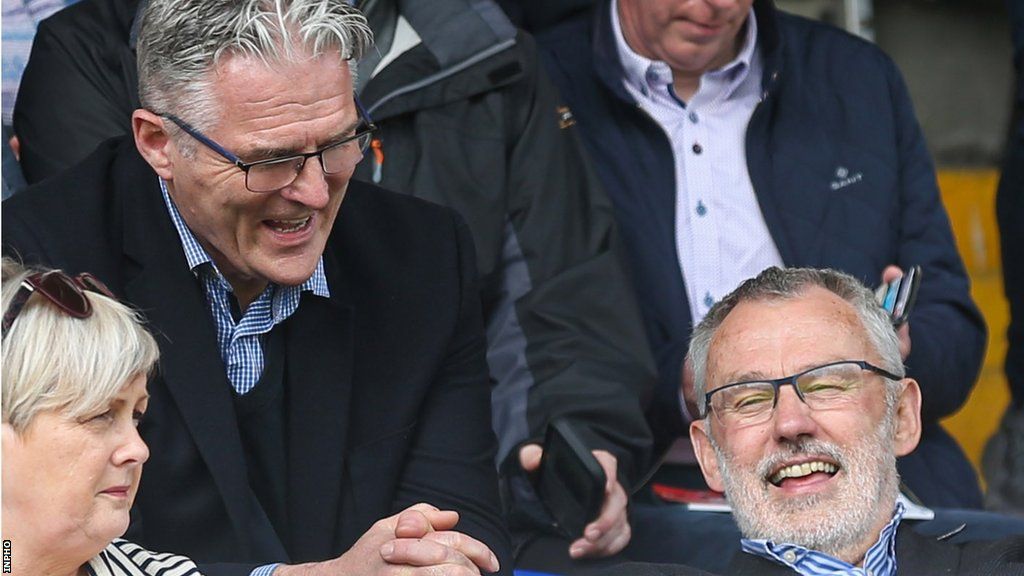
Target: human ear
[(706, 456), (153, 142), (908, 418)]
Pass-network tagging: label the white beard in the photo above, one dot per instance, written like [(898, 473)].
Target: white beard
[(833, 522)]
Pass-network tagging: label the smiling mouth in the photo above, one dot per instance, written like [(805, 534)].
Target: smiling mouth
[(803, 470), (289, 226)]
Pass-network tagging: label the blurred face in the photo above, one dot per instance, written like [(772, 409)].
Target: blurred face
[(72, 482), (691, 36), (268, 112), (784, 476)]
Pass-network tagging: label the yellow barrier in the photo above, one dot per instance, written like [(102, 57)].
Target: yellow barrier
[(969, 196)]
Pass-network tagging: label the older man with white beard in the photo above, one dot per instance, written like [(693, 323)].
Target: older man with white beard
[(805, 407)]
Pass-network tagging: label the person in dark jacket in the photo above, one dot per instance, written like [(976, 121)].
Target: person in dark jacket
[(467, 118), (1003, 460), (804, 405), (322, 404), (471, 121), (730, 137)]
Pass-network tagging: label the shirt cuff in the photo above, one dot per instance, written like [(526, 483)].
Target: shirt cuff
[(265, 570)]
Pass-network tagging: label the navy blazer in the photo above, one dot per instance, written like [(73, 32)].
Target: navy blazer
[(388, 399), (844, 180)]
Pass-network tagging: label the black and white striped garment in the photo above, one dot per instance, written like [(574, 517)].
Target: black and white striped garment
[(122, 558)]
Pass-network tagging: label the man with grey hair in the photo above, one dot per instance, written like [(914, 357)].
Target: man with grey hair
[(804, 408), (323, 404)]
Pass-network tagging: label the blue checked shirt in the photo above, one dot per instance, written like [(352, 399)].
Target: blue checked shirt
[(880, 559), (241, 343)]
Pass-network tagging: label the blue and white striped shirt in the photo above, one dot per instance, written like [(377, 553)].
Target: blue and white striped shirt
[(241, 343), (880, 559)]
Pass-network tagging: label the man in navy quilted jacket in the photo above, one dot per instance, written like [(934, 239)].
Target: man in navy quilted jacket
[(732, 137)]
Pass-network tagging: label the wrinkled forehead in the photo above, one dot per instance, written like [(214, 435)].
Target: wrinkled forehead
[(772, 338), (308, 93)]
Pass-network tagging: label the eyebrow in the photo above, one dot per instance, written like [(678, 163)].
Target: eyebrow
[(260, 154)]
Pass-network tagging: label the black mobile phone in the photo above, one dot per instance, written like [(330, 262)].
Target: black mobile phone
[(571, 481), (898, 296)]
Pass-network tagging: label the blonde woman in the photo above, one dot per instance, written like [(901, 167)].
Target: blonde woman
[(75, 363)]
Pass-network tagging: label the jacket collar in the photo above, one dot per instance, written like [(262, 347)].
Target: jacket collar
[(915, 554), (609, 66), (770, 41)]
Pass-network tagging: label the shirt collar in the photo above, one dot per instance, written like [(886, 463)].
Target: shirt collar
[(197, 256), (880, 559), (641, 72)]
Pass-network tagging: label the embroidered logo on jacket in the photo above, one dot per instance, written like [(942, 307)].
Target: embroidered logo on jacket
[(565, 117), (844, 178)]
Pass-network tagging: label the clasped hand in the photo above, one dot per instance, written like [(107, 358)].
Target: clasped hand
[(417, 540)]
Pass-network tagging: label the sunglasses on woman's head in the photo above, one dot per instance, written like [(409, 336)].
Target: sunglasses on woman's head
[(65, 292)]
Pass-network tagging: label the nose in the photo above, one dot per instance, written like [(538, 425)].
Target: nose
[(310, 185), (792, 418), (133, 450)]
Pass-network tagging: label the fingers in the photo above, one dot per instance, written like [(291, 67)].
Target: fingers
[(610, 532), (891, 273), (420, 519), (529, 457), (687, 387), (476, 551), (448, 549), (904, 335)]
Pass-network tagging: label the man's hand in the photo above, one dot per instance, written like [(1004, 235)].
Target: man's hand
[(417, 539), (610, 532), (891, 273)]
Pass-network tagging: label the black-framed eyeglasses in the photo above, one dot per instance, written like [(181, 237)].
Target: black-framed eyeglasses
[(276, 173), (826, 387), (65, 292)]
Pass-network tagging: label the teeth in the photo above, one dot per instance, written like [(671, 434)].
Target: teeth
[(801, 470), (293, 225)]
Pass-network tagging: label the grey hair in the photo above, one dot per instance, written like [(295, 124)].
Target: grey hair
[(787, 283), (182, 41), (52, 361)]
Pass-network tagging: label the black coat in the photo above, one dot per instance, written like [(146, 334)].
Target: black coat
[(389, 402), (916, 555), (468, 120)]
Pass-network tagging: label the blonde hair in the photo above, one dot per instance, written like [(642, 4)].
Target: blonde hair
[(53, 361)]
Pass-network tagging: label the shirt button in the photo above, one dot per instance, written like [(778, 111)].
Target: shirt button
[(789, 556), (701, 208), (697, 149), (709, 301), (693, 117)]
